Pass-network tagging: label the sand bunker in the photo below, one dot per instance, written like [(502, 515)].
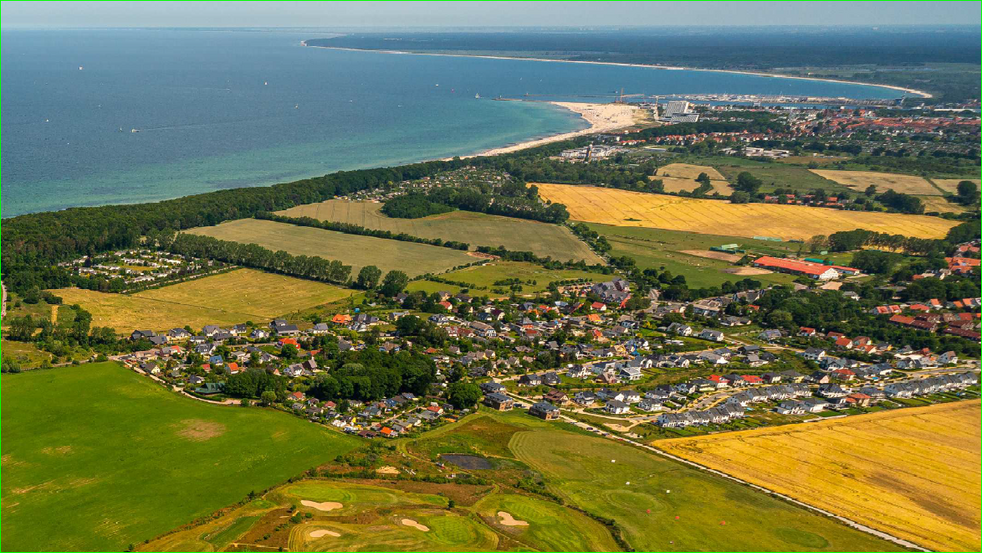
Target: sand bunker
[(747, 271), (508, 520), (323, 506), (387, 470), (413, 524), (322, 533)]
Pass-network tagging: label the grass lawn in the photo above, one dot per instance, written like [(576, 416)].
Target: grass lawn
[(108, 458), (658, 504), (488, 274), (655, 248), (477, 229), (357, 251), (224, 299)]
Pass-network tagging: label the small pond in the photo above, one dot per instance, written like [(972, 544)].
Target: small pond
[(469, 462)]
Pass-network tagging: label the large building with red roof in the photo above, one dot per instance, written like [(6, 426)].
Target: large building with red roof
[(809, 269)]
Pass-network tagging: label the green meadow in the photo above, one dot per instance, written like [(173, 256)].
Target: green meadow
[(96, 457)]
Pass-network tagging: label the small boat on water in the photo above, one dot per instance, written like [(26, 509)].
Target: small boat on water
[(477, 96)]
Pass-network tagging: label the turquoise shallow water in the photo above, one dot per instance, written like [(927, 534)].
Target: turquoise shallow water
[(219, 109)]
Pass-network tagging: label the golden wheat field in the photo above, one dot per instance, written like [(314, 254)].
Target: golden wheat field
[(611, 206), (679, 177), (860, 180), (951, 185), (913, 473), (941, 205), (689, 171)]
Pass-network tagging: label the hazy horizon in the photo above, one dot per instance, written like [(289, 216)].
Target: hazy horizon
[(489, 14)]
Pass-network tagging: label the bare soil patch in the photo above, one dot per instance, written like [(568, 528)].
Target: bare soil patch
[(387, 470), (198, 430), (728, 257), (322, 533)]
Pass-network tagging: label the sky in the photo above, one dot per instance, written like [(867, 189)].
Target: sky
[(483, 14)]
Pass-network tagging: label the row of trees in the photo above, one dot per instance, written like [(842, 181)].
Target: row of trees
[(32, 243), (258, 257), (849, 240)]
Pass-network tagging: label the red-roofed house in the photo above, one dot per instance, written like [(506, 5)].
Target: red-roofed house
[(806, 331)]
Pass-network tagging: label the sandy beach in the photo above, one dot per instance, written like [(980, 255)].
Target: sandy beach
[(920, 93), (601, 117)]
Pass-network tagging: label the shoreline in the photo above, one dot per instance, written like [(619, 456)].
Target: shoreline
[(600, 118), (920, 93)]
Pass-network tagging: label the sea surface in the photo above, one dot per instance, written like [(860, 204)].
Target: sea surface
[(94, 117)]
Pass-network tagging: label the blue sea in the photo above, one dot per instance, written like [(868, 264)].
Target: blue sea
[(94, 117)]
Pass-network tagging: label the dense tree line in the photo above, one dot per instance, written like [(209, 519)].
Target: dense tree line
[(849, 240), (258, 257), (32, 243), (413, 206), (349, 228), (475, 199)]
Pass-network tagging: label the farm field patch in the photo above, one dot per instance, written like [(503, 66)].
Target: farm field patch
[(350, 249), (111, 459), (636, 209), (125, 313), (679, 177), (486, 275), (266, 295), (224, 299), (951, 185), (860, 180), (913, 473), (941, 205), (779, 175), (477, 229)]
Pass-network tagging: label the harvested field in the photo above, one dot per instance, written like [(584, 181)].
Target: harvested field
[(688, 171), (636, 209), (266, 295), (477, 229), (722, 256), (681, 177), (357, 251), (224, 299), (860, 180), (913, 473), (941, 205), (951, 185)]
